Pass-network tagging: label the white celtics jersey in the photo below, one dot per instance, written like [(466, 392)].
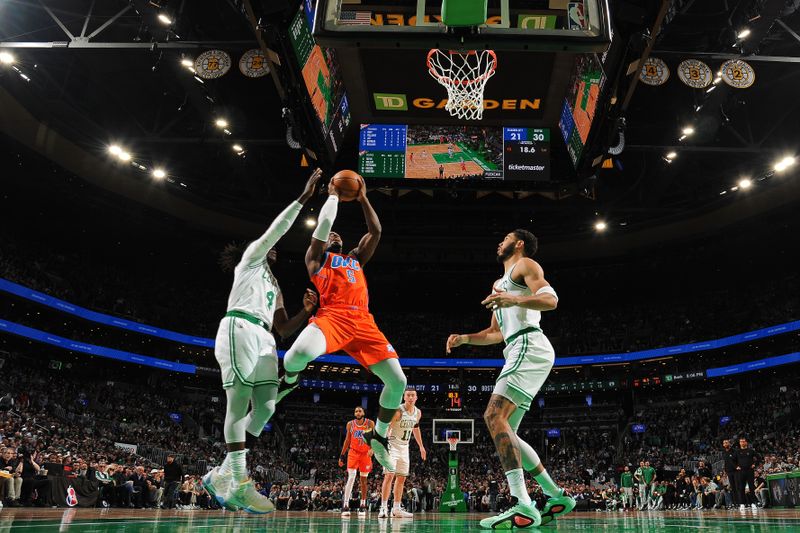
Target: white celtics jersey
[(255, 292), (515, 318), (401, 430)]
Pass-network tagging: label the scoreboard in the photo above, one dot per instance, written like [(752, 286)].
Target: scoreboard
[(382, 150)]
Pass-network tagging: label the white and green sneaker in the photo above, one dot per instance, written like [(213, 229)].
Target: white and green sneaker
[(217, 483), (520, 516), (245, 496), (557, 506)]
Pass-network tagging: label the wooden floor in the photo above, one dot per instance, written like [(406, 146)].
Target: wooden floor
[(102, 520)]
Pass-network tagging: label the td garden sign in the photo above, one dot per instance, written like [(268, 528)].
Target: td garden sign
[(400, 102)]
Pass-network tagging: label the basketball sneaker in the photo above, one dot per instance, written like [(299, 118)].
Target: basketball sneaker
[(217, 484), (399, 512), (383, 513), (245, 496), (557, 506), (362, 511), (284, 389), (345, 512), (518, 517), (380, 446)]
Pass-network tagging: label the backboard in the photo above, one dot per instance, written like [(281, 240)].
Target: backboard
[(463, 428)]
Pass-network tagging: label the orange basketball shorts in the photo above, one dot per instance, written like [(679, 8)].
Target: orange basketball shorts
[(360, 461), (354, 332)]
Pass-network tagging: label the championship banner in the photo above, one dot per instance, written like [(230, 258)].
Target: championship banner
[(74, 492), (130, 448), (654, 72), (695, 74)]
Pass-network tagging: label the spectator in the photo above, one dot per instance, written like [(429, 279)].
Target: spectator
[(745, 472), (173, 474)]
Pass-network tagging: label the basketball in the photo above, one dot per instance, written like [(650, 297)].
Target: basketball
[(348, 184)]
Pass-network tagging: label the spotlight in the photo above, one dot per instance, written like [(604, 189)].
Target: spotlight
[(745, 183), (159, 174), (600, 225), (238, 148), (743, 34), (716, 81), (221, 123), (114, 149), (6, 58), (187, 62), (164, 19), (124, 156), (672, 155), (310, 222), (688, 130)]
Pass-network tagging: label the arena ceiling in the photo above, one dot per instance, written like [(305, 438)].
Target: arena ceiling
[(89, 74)]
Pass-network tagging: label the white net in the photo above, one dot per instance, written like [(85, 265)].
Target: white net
[(464, 75)]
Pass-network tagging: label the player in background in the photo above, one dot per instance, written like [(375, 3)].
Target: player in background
[(463, 166), (248, 359), (411, 157), (517, 302), (626, 483), (450, 151), (404, 424), (343, 320), (441, 171), (638, 476), (357, 455)]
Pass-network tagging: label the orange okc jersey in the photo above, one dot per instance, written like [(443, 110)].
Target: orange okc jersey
[(341, 283), (357, 442)]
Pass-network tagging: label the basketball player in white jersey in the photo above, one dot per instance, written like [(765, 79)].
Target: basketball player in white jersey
[(517, 302), (404, 424), (248, 359)]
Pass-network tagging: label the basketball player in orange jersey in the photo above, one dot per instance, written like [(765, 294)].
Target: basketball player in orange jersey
[(343, 321), (357, 455)]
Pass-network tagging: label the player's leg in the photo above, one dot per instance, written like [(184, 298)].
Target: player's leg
[(386, 489), (363, 488), (394, 385), (402, 465), (309, 345), (265, 391), (347, 495)]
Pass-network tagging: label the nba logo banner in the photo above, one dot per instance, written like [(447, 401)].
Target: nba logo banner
[(72, 496)]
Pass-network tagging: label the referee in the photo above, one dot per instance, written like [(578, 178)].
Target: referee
[(729, 455), (745, 471)]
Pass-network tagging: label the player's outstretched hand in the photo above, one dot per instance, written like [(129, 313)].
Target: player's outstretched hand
[(310, 300), (454, 341), (311, 185), (362, 192), (332, 189), (499, 299)]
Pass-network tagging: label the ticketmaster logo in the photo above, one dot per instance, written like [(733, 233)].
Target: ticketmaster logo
[(525, 167), (390, 102)]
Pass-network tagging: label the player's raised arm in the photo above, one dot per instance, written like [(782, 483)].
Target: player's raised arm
[(368, 243), (418, 437), (286, 326), (345, 447), (257, 250), (323, 230), (490, 335), (544, 297)]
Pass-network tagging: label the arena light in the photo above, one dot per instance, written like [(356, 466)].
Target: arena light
[(159, 173), (187, 62), (743, 34), (671, 155), (114, 149), (688, 130), (164, 19), (745, 184), (6, 58), (600, 225), (310, 222), (784, 163), (237, 148), (124, 156), (221, 123)]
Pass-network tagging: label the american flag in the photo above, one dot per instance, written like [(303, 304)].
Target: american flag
[(355, 18)]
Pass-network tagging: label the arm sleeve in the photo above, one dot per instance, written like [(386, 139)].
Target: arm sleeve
[(257, 249), (547, 289), (326, 217)]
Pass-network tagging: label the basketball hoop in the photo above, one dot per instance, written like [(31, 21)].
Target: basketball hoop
[(453, 441), (464, 75)]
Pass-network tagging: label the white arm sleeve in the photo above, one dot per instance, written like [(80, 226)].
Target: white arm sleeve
[(547, 289), (258, 249), (326, 217)]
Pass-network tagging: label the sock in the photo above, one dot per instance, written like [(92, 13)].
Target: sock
[(291, 377), (384, 504), (238, 464), (549, 486), (396, 505), (381, 428), (516, 484), (225, 467)]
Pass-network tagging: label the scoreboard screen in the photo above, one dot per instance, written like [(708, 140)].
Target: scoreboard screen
[(454, 402), (453, 152)]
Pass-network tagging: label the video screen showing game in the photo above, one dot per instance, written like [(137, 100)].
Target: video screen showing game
[(580, 104), (424, 152)]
